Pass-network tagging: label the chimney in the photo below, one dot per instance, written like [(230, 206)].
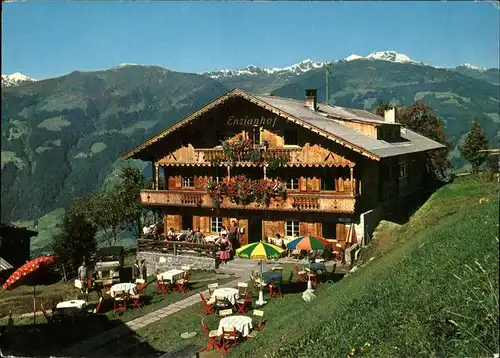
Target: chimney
[(311, 99), (390, 115)]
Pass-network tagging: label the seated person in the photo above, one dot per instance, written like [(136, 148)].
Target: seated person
[(190, 235), (171, 234), (279, 241), (198, 236)]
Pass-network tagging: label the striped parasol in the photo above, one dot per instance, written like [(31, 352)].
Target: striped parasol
[(260, 251), (308, 242)]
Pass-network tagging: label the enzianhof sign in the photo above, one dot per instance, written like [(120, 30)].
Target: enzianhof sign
[(248, 121)]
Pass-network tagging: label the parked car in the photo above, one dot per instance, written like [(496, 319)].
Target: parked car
[(108, 264)]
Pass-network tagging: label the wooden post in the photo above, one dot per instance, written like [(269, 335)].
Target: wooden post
[(353, 189), (153, 176), (34, 305), (157, 174)]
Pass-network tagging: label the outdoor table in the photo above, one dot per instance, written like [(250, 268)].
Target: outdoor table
[(243, 324), (127, 287), (317, 266), (211, 238), (231, 294), (172, 275), (271, 276), (70, 308)]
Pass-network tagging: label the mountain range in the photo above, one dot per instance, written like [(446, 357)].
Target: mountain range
[(62, 137)]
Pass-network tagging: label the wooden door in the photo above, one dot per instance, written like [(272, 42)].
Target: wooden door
[(243, 224), (254, 228)]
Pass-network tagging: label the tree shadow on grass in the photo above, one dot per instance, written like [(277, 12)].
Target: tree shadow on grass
[(73, 339)]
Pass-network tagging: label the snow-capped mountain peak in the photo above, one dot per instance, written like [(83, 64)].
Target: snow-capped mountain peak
[(253, 70), (353, 57), (473, 67), (15, 79), (391, 56)]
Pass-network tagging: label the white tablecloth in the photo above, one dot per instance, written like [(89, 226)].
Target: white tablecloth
[(79, 304), (126, 287), (172, 275), (230, 293), (243, 324), (211, 238)]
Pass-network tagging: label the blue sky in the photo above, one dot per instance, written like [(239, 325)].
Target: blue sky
[(46, 39)]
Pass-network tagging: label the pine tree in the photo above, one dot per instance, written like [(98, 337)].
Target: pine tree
[(475, 141)]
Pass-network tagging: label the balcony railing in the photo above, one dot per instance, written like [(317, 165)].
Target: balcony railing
[(217, 154), (178, 247), (333, 202)]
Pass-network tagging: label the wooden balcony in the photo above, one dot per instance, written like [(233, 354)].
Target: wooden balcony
[(309, 155), (332, 202)]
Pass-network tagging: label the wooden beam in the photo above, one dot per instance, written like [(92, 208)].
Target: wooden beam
[(157, 176)]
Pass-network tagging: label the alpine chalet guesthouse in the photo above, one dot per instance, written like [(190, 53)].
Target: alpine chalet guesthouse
[(278, 165)]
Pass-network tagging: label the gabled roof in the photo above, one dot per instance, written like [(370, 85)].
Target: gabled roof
[(4, 265), (321, 121)]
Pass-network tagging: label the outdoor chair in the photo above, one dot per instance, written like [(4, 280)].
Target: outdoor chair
[(301, 274), (229, 337), (106, 285), (48, 317), (227, 312), (275, 289), (212, 287), (140, 283), (277, 269), (244, 303), (182, 283), (295, 254), (221, 302), (260, 324), (208, 308), (262, 321), (136, 299), (161, 286), (212, 337), (120, 301), (98, 306), (242, 289)]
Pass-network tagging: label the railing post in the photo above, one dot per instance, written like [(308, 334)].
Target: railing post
[(157, 176)]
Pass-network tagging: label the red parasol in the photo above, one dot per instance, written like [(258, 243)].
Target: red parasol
[(28, 268)]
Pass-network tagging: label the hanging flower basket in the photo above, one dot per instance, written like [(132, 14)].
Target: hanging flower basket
[(244, 191)]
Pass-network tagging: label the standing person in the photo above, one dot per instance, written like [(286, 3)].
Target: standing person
[(233, 234), (143, 270), (136, 269), (82, 276), (223, 244)]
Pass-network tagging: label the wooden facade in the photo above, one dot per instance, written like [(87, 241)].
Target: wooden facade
[(329, 182)]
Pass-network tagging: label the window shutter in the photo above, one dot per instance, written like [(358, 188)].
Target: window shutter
[(302, 228), (340, 232), (302, 184), (315, 184)]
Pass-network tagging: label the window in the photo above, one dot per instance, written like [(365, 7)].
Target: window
[(291, 137), (292, 184), (215, 224), (187, 182), (292, 228), (403, 170)]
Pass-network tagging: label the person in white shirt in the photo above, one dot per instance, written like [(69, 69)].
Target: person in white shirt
[(279, 241), (223, 231)]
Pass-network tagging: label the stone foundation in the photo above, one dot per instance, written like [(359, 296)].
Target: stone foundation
[(166, 261)]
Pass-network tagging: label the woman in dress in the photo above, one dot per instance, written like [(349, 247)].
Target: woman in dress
[(224, 249)]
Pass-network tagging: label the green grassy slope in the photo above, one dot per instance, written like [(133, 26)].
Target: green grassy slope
[(434, 293)]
